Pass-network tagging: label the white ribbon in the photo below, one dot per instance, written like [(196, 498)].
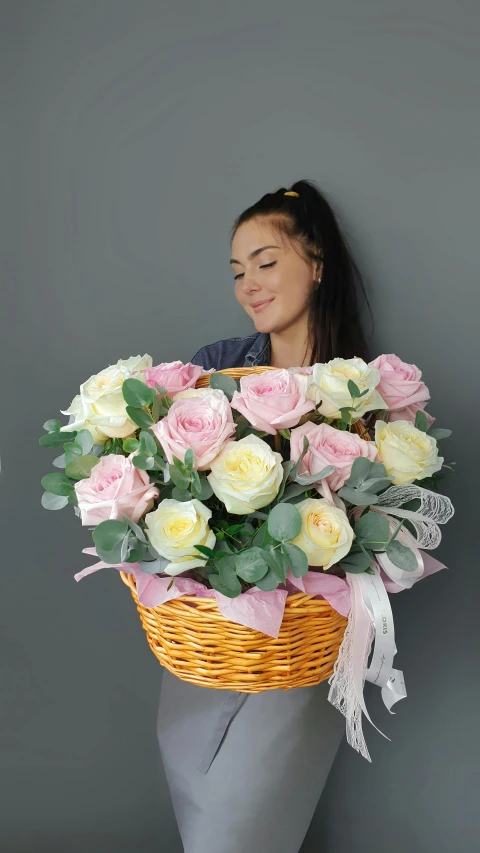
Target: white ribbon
[(371, 620)]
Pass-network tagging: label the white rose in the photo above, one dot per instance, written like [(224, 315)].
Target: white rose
[(100, 406), (246, 475), (175, 528), (326, 535), (329, 384), (193, 392), (407, 453)]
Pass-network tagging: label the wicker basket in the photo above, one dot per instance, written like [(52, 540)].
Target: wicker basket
[(192, 639)]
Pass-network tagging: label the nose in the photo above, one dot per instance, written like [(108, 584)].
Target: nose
[(249, 285)]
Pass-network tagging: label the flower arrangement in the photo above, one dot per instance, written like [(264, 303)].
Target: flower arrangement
[(321, 479), (238, 482)]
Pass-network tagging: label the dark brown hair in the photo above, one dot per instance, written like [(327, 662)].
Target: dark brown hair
[(335, 322)]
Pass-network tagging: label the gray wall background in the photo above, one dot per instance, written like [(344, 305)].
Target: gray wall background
[(133, 134)]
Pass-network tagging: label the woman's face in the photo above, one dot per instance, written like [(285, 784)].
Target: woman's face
[(274, 285)]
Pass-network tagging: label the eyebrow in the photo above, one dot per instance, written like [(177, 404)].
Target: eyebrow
[(255, 253)]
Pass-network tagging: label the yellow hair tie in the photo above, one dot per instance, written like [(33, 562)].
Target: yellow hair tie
[(292, 193)]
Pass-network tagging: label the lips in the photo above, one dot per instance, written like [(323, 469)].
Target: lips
[(259, 306)]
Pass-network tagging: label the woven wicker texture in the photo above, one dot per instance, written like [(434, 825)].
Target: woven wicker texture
[(192, 639)]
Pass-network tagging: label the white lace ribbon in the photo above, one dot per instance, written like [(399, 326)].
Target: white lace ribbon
[(371, 617)]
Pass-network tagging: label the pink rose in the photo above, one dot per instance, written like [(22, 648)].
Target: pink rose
[(203, 423), (329, 446), (400, 383), (275, 399), (174, 376), (114, 487), (409, 412)]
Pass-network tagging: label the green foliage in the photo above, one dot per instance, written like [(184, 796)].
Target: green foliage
[(223, 383), (356, 562), (57, 484), (250, 564), (284, 522), (296, 559), (401, 556), (372, 530), (137, 394), (81, 467), (421, 421), (139, 417)]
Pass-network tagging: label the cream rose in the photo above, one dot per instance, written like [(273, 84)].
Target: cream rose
[(329, 384), (100, 406), (326, 535), (175, 528), (407, 453), (246, 475)]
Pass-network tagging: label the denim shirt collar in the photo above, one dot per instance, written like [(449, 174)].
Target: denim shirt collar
[(259, 352)]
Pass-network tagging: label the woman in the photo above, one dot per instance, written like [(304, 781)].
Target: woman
[(246, 771)]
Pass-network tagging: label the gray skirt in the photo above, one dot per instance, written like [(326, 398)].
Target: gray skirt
[(257, 787)]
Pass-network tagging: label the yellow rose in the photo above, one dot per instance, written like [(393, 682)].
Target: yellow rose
[(407, 453), (329, 383), (100, 406), (246, 475), (326, 535), (175, 528)]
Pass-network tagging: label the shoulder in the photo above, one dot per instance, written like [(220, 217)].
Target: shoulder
[(228, 352)]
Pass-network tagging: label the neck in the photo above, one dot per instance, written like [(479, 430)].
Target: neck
[(291, 347)]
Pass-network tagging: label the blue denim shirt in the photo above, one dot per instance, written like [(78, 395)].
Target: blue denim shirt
[(235, 352)]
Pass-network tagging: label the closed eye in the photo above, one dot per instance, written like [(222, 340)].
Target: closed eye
[(263, 266)]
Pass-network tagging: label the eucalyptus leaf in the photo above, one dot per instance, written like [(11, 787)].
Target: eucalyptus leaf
[(360, 471), (60, 461), (81, 468), (189, 459), (136, 552), (153, 567), (269, 582), (296, 558), (53, 425), (109, 534), (224, 383), (206, 490), (276, 561), (357, 497), (373, 531), (307, 479), (353, 389), (292, 491), (72, 450), (139, 417), (356, 562), (143, 462), (137, 393), (85, 439), (57, 484), (250, 564), (148, 445), (181, 494), (182, 481), (135, 527), (284, 522), (51, 501), (296, 467), (401, 556), (438, 433), (421, 422), (228, 582), (130, 445), (54, 439), (375, 484)]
